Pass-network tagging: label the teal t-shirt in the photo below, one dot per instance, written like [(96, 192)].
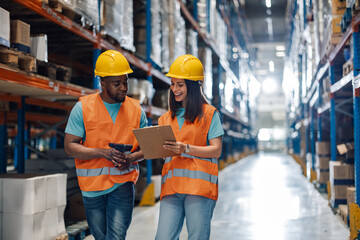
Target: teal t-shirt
[(75, 126), (215, 129)]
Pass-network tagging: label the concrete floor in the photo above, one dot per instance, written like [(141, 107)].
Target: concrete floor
[(263, 196)]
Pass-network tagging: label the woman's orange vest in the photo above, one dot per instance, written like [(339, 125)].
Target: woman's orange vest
[(187, 174), (100, 174)]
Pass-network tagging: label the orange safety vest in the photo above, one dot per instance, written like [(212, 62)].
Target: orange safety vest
[(100, 174), (188, 174)]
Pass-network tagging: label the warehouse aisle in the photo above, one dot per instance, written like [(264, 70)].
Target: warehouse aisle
[(263, 196)]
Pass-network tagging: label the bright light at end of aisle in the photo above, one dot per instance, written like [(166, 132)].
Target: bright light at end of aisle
[(269, 85), (268, 3), (264, 134)]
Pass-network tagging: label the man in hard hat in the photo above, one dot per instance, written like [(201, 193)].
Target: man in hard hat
[(106, 176)]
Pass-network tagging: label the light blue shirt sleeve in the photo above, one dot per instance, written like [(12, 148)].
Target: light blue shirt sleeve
[(143, 119), (216, 129), (75, 125)]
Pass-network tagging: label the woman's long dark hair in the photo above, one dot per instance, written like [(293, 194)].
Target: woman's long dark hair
[(194, 102)]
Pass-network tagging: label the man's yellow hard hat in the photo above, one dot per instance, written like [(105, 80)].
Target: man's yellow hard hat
[(111, 63), (187, 67)]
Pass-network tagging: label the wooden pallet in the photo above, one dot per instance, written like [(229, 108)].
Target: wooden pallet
[(17, 59), (347, 67), (54, 71), (62, 8), (343, 213)]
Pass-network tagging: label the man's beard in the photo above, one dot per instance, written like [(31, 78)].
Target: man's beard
[(115, 97)]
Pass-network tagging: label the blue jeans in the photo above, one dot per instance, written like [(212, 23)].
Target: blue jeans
[(109, 215), (174, 208)]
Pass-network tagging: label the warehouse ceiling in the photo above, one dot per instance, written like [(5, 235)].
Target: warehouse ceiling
[(267, 22), (269, 30)]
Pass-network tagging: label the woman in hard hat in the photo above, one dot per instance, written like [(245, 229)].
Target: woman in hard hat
[(189, 181)]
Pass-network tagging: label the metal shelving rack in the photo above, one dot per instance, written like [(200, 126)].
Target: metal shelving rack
[(18, 82), (313, 98)]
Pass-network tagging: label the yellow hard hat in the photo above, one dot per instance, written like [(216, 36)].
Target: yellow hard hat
[(111, 63), (187, 67)]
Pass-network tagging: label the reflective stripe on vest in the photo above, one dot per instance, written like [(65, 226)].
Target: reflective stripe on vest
[(104, 171), (212, 160), (190, 174)]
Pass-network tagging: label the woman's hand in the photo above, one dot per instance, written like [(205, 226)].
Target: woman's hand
[(176, 147)]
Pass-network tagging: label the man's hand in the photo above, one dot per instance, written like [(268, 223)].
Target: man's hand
[(115, 156)]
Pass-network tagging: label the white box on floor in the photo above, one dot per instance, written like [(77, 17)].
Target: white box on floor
[(51, 223), (51, 191), (61, 189), (156, 179), (23, 227), (24, 194), (60, 220)]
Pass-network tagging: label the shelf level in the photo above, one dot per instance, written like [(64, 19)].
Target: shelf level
[(342, 82), (57, 18)]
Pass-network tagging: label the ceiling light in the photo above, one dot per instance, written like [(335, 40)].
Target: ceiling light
[(280, 48), (280, 54), (268, 3), (271, 66)]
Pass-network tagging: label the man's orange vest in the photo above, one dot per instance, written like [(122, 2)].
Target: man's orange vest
[(187, 174), (100, 174)]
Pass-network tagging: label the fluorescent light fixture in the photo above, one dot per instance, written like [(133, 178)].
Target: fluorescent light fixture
[(280, 48), (280, 54), (268, 3), (271, 66)]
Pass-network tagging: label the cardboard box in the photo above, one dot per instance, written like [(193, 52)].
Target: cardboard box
[(322, 162), (322, 176), (51, 223), (322, 148), (25, 193), (338, 7), (339, 171), (60, 220), (339, 192), (20, 35), (39, 47), (350, 195), (4, 27), (23, 227), (336, 23)]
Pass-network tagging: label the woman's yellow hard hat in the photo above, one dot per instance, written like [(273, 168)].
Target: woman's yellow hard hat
[(187, 67)]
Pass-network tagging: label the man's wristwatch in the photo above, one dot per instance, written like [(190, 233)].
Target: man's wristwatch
[(187, 149)]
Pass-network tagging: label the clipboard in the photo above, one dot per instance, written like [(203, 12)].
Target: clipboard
[(151, 141)]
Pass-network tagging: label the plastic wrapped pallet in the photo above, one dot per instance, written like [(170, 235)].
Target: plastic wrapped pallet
[(191, 42), (177, 45), (164, 35), (4, 27), (89, 9), (118, 22), (156, 32), (205, 56)]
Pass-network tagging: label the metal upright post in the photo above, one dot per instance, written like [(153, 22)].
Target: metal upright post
[(319, 132), (312, 138), (149, 76), (97, 49), (356, 63), (332, 116), (21, 137)]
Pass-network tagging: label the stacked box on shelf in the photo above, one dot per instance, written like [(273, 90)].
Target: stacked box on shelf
[(4, 27), (165, 53), (39, 47), (341, 177), (20, 35), (89, 9), (32, 206), (322, 161), (205, 56)]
